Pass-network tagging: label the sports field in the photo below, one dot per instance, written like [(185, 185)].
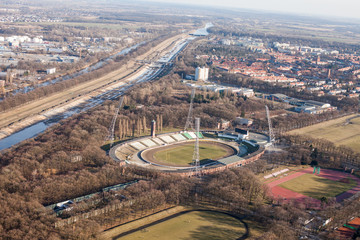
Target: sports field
[(205, 225), (182, 154), (341, 131), (317, 187), (305, 187)]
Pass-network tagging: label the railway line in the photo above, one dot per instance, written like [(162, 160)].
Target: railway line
[(85, 96)]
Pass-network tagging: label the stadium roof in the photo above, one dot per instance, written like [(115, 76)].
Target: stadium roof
[(230, 160)]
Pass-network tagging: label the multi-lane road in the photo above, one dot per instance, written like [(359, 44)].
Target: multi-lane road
[(91, 93)]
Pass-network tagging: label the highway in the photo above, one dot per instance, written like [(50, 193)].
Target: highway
[(87, 95)]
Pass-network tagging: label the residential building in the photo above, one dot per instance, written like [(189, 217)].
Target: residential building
[(202, 74), (50, 70)]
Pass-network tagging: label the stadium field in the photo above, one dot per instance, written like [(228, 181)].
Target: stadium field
[(182, 154), (207, 225)]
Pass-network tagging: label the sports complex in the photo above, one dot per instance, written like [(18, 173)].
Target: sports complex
[(303, 186), (173, 152)]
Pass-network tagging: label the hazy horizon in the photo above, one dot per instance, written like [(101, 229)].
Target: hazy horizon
[(324, 8)]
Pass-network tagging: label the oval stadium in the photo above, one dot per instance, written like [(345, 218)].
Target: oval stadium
[(174, 152)]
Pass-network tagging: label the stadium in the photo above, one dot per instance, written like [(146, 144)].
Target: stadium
[(190, 152), (174, 152)]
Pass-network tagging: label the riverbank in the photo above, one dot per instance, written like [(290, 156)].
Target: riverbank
[(59, 103)]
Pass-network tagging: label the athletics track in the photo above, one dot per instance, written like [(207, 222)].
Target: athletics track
[(285, 195)]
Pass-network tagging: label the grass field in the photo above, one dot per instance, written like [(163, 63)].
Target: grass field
[(317, 187), (297, 30), (335, 131), (193, 225), (183, 154)]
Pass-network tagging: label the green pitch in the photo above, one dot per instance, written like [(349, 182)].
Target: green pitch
[(182, 155), (337, 131), (193, 225), (317, 187)]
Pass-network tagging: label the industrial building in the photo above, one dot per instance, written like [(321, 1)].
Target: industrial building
[(306, 106), (245, 92)]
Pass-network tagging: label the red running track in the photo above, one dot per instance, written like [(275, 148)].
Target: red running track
[(285, 194), (336, 176), (287, 178)]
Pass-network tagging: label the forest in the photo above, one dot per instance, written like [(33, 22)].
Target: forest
[(46, 169), (278, 37), (41, 171)]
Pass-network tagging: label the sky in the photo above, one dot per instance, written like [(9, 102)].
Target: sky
[(329, 8)]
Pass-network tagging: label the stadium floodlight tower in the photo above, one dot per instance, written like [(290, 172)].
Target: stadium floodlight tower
[(271, 132), (189, 119), (196, 155), (111, 135)]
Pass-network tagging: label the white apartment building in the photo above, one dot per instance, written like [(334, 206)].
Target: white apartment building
[(202, 74)]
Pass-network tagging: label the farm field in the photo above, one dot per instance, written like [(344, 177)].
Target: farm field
[(193, 225), (339, 131), (112, 26), (183, 154), (317, 187), (323, 32)]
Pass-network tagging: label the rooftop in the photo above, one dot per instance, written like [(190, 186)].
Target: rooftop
[(230, 160)]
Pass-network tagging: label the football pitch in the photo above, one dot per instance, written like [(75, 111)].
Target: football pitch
[(339, 131), (207, 225), (317, 187), (182, 155)]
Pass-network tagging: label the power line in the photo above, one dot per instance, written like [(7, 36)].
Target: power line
[(196, 155), (189, 119)]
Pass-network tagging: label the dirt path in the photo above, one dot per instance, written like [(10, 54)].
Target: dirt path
[(349, 119), (77, 92)]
